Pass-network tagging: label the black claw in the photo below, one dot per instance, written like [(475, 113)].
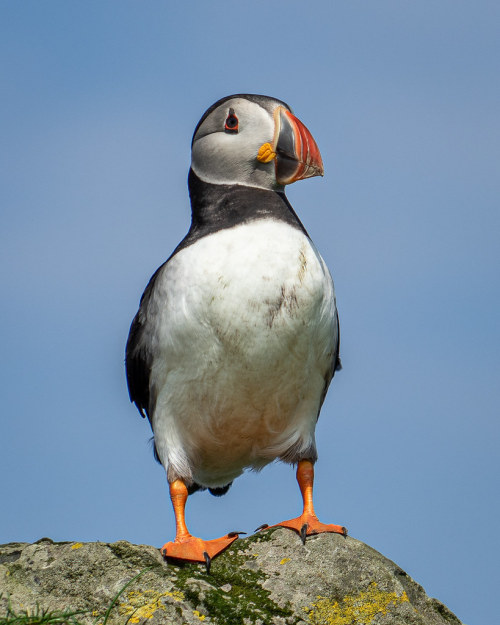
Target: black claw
[(262, 527), (208, 561), (231, 534), (303, 533), (344, 532)]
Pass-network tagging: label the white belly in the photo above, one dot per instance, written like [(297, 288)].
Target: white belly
[(245, 331)]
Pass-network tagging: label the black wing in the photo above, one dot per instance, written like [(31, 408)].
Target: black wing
[(336, 363), (139, 354)]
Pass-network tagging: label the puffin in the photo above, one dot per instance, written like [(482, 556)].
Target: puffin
[(236, 339)]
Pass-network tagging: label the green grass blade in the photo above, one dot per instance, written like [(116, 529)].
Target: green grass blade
[(117, 596)]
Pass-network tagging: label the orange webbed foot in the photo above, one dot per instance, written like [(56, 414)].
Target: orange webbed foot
[(309, 524), (196, 549), (188, 547)]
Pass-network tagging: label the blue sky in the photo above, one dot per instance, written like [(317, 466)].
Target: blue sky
[(98, 107)]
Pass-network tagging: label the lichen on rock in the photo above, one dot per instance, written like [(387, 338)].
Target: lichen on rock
[(360, 608), (268, 579)]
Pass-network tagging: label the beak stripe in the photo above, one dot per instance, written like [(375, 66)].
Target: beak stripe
[(297, 155)]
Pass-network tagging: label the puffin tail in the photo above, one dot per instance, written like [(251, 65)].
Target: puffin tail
[(220, 490)]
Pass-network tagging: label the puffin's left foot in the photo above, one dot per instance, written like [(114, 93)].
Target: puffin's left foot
[(308, 524), (196, 549)]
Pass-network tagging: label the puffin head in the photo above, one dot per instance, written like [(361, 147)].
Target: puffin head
[(253, 140)]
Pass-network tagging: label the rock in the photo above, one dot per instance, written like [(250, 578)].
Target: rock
[(268, 579)]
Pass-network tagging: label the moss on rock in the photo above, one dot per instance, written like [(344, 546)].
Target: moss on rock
[(269, 578)]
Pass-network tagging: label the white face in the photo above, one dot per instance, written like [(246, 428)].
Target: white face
[(220, 156)]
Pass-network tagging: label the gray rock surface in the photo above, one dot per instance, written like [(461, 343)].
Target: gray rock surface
[(267, 579)]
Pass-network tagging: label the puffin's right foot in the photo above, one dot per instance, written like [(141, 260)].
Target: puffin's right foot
[(188, 547), (195, 549)]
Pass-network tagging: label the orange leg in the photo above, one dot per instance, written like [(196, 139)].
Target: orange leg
[(307, 523), (185, 546)]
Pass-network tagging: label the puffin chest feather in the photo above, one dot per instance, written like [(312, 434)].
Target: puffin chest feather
[(246, 347)]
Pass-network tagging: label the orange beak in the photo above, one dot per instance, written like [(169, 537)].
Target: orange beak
[(297, 155)]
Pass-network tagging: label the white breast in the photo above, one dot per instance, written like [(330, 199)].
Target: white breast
[(245, 331)]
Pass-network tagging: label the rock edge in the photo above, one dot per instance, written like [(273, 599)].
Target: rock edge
[(267, 579)]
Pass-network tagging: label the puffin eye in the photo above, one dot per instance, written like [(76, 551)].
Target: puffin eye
[(231, 125)]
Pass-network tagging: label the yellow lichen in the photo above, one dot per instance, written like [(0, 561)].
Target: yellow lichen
[(199, 615), (361, 608), (143, 604), (77, 546), (285, 560)]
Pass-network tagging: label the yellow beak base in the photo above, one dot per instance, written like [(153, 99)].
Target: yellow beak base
[(266, 153)]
